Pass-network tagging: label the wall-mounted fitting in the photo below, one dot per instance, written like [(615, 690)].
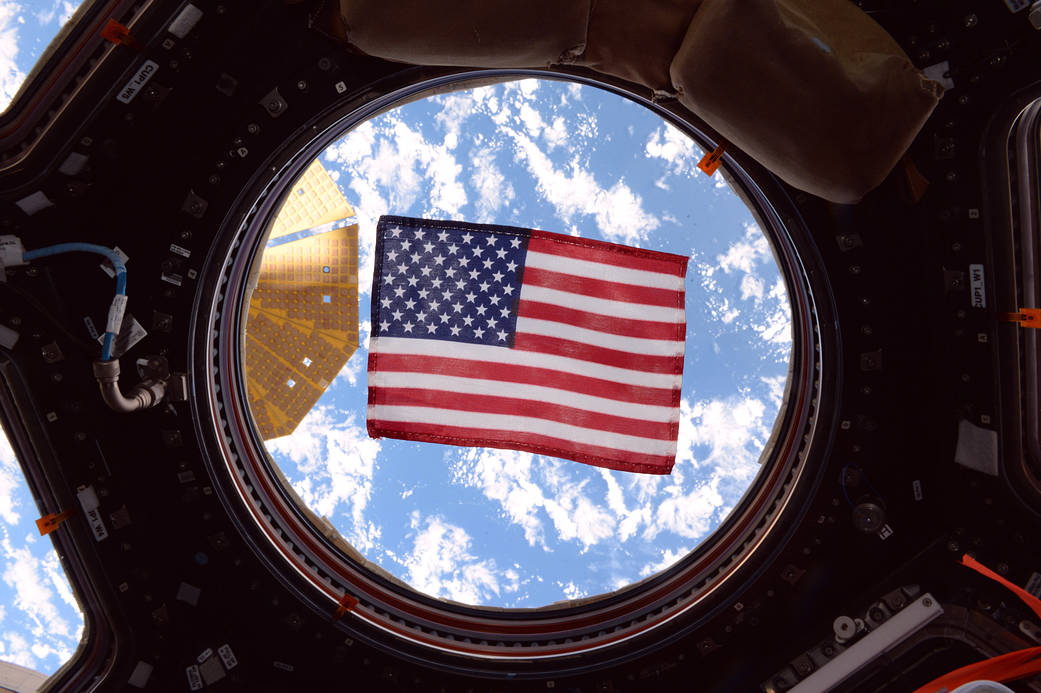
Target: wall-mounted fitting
[(146, 394)]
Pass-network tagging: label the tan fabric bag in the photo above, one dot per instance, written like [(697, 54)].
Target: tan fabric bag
[(815, 90)]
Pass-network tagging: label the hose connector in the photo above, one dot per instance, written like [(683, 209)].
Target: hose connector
[(146, 394)]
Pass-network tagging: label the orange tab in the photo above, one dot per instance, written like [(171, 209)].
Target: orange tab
[(1025, 317), (117, 33), (346, 603), (710, 162), (1030, 600), (49, 523), (1006, 667)]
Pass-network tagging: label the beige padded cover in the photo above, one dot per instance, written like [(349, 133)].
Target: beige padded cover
[(814, 90), (477, 33), (637, 45)]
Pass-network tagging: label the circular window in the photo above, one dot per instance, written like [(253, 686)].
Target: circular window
[(506, 559), (505, 528)]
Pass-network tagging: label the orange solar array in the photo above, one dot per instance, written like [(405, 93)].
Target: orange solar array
[(302, 323)]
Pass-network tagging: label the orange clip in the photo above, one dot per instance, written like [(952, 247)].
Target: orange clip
[(117, 33), (346, 603), (49, 523), (1024, 317), (710, 162)]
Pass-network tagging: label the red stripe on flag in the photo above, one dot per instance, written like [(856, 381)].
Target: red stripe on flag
[(607, 253), (608, 357), (646, 329), (610, 458), (599, 288), (490, 404), (527, 375)]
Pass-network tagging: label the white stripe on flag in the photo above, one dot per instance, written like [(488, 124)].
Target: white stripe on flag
[(606, 340), (494, 354), (538, 393), (597, 270), (602, 306), (386, 415)]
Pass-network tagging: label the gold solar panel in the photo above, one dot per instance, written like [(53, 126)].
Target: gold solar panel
[(314, 200), (302, 322)]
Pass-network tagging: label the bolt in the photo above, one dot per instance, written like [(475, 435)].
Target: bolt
[(252, 128), (970, 21), (854, 269), (57, 377), (32, 272), (274, 106), (927, 602), (301, 85)]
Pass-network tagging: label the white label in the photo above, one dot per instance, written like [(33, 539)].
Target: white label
[(977, 282), (194, 679), (31, 204), (283, 666), (142, 672), (885, 532), (1034, 585), (174, 279), (1017, 5), (11, 251), (185, 21), (129, 334), (138, 81), (940, 72), (178, 250), (204, 655), (8, 337), (91, 329), (107, 267), (917, 487), (89, 502), (115, 313), (227, 656)]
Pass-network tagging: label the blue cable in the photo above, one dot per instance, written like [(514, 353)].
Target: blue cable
[(117, 264)]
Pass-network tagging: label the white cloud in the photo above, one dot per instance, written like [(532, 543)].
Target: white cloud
[(336, 460), (32, 580), (745, 255), (10, 479), (531, 489), (573, 190), (67, 10), (571, 590), (668, 558), (494, 191), (441, 564), (11, 77), (394, 159), (675, 148)]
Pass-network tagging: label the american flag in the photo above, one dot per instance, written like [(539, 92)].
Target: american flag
[(503, 337)]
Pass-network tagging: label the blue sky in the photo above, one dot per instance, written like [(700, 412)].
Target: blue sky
[(506, 528), (482, 526)]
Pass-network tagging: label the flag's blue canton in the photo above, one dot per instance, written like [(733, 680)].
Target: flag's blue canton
[(455, 284)]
